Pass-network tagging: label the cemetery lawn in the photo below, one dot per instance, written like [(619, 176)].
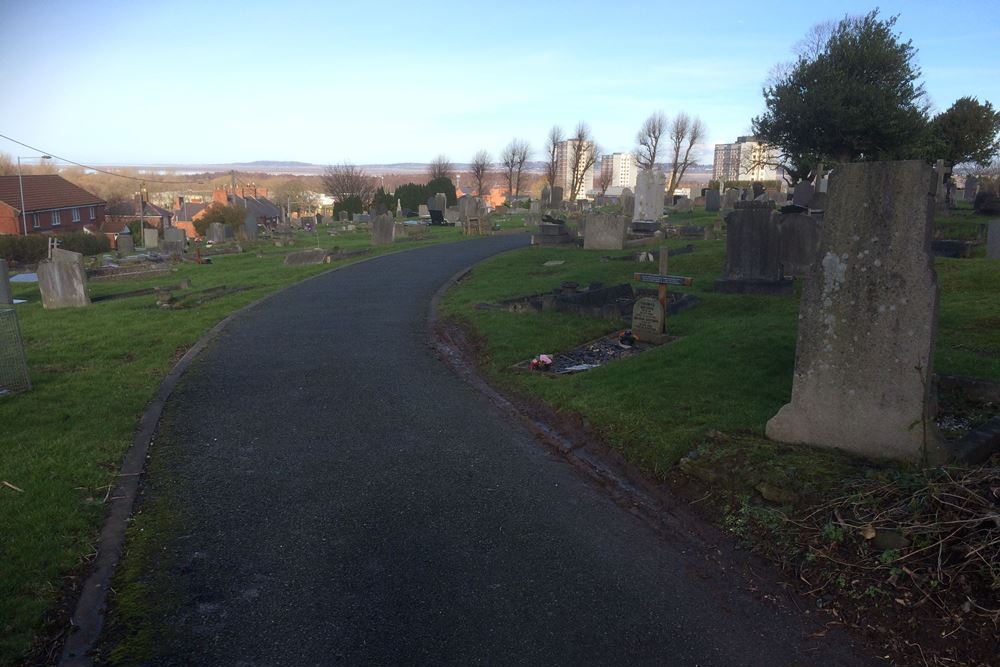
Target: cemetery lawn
[(93, 371), (692, 413)]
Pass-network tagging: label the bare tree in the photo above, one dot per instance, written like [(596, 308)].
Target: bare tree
[(349, 180), (552, 148), (648, 139), (685, 134), (514, 156), (7, 166), (441, 167), (582, 156), (604, 178), (481, 163)]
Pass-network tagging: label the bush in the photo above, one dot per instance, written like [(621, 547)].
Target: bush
[(352, 204), (23, 249), (85, 244), (986, 203)]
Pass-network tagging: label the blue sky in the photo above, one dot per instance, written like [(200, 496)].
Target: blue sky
[(153, 82)]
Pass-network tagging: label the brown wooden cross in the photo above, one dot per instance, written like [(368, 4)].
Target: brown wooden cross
[(661, 280)]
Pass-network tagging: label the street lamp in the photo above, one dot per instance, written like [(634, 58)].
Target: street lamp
[(20, 184)]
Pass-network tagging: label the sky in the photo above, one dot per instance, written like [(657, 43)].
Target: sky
[(107, 82)]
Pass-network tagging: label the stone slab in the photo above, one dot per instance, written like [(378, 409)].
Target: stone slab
[(62, 285), (867, 320)]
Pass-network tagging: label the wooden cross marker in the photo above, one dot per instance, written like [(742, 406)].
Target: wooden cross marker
[(661, 280)]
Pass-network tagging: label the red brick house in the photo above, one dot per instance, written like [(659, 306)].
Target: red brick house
[(53, 206)]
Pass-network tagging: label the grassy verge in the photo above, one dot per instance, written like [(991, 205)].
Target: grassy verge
[(93, 371), (693, 412)]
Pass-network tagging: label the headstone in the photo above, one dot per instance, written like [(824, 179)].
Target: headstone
[(535, 208), (451, 215), (125, 244), (645, 228), (753, 252), (358, 218), (343, 216), (216, 232), (683, 205), (628, 202), (250, 229), (713, 201), (551, 233), (802, 194), (6, 296), (423, 211), (758, 189), (546, 196), (799, 236), (993, 240), (383, 230), (647, 318), (649, 195), (557, 196), (441, 200), (60, 255), (817, 202), (63, 284), (604, 232), (174, 241), (307, 257), (150, 238), (940, 190), (729, 200), (971, 186), (868, 319)]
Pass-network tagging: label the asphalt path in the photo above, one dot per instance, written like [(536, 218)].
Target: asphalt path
[(346, 498)]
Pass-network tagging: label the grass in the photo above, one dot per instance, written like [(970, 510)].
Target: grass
[(93, 371), (730, 371)]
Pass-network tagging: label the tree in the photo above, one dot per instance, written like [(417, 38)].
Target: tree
[(552, 142), (967, 132), (604, 178), (441, 167), (648, 139), (231, 216), (582, 156), (855, 98), (481, 163), (294, 194), (349, 180), (7, 165), (442, 184), (513, 158), (685, 134)]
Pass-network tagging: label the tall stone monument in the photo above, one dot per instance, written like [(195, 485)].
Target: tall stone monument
[(868, 319), (649, 193)]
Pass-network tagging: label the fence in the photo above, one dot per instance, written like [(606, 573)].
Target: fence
[(13, 364)]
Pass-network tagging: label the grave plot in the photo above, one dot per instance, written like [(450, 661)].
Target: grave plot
[(594, 354)]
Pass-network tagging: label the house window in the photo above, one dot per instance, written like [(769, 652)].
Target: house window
[(34, 221), (55, 218), (93, 213), (76, 215)]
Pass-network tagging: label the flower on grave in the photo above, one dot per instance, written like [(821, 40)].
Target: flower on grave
[(626, 338), (541, 363)]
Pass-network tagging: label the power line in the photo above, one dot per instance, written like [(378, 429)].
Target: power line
[(103, 171)]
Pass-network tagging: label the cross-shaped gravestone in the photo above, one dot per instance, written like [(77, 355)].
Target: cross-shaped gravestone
[(649, 316)]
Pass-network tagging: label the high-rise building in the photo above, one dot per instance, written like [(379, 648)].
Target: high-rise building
[(565, 154), (622, 168), (745, 160)]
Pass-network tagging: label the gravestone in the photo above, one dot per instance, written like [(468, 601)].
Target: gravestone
[(753, 252), (817, 202), (940, 188), (535, 209), (647, 319), (683, 205), (125, 244), (627, 200), (383, 230), (14, 376), (174, 241), (60, 255), (216, 232), (799, 236), (546, 196), (713, 201), (551, 233), (343, 216), (423, 211), (250, 229), (62, 281), (868, 320), (6, 296), (150, 239), (359, 218), (451, 215), (993, 240), (557, 196), (758, 189), (604, 232), (802, 194), (307, 257), (729, 200), (649, 195), (442, 201), (971, 185)]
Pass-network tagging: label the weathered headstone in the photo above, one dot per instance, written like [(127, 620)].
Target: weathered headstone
[(125, 244), (546, 196), (174, 241), (6, 296), (802, 194), (60, 255), (867, 320), (604, 232), (683, 205), (993, 240), (216, 232), (713, 200), (557, 196), (383, 230), (628, 202), (62, 281), (343, 216), (551, 233), (423, 211), (940, 189), (451, 215), (250, 229), (799, 236), (758, 189), (729, 200), (150, 238), (441, 200), (971, 186), (307, 257), (649, 195), (753, 252), (647, 319)]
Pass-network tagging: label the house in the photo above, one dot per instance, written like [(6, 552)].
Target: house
[(186, 213), (52, 205), (139, 208), (260, 210)]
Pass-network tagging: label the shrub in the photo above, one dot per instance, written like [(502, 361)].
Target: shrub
[(23, 249), (352, 204), (86, 244), (986, 203)]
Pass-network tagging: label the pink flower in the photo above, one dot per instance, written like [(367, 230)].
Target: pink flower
[(545, 359)]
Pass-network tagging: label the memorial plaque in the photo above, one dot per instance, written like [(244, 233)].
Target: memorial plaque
[(647, 318)]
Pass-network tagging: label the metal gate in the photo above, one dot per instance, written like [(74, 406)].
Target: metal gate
[(13, 363)]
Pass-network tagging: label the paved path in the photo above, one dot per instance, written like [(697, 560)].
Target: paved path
[(346, 498)]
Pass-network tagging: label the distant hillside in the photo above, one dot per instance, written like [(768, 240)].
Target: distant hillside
[(273, 163)]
